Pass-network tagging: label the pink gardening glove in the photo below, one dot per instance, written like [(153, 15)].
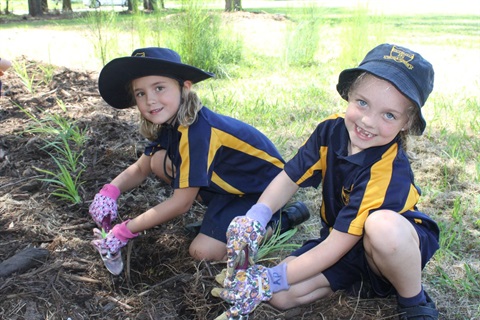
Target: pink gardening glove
[(109, 246), (116, 239), (244, 235), (104, 208)]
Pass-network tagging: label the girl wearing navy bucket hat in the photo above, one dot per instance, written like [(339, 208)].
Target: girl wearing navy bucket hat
[(222, 162), (373, 236)]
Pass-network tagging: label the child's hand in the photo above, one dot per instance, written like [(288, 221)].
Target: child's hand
[(247, 290), (116, 239), (243, 233), (104, 208)]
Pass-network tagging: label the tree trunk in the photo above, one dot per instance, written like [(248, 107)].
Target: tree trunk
[(153, 5), (35, 8), (148, 5), (233, 5), (67, 6), (7, 11)]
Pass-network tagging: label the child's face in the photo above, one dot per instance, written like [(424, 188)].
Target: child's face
[(157, 98), (376, 113)]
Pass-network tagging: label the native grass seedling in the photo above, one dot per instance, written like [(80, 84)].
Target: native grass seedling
[(27, 77), (277, 243), (66, 184), (47, 73), (62, 141)]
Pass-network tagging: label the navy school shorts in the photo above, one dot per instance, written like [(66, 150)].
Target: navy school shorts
[(221, 209), (353, 267)]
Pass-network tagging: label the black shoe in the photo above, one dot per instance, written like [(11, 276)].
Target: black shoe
[(291, 216), (427, 311)]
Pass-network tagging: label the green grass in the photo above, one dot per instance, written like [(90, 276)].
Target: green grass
[(284, 84)]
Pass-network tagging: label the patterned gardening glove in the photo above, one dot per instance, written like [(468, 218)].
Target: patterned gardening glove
[(244, 235), (104, 208), (252, 286), (116, 239)]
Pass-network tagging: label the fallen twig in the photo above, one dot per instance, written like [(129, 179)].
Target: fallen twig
[(124, 305), (80, 278)]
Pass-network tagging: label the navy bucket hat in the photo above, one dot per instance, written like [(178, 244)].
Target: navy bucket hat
[(117, 74), (407, 70)]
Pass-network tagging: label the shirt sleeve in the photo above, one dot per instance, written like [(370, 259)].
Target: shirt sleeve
[(307, 167)]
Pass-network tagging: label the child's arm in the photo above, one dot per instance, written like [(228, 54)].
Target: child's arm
[(119, 236), (181, 201), (134, 175), (247, 232), (246, 289), (278, 192), (103, 208)]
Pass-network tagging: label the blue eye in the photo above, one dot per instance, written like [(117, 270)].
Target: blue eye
[(361, 103), (389, 116)]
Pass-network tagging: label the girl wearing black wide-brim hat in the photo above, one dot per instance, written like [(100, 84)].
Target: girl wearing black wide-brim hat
[(205, 156)]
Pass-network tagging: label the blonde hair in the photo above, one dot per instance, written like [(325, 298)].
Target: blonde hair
[(413, 125), (186, 115)]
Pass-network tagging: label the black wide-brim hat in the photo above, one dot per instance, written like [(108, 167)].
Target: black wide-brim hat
[(115, 77), (407, 70)]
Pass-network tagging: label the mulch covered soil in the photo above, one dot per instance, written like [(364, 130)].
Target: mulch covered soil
[(50, 270)]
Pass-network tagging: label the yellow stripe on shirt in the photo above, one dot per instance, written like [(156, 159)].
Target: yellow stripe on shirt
[(375, 190), (224, 185), (185, 152), (227, 140), (412, 199)]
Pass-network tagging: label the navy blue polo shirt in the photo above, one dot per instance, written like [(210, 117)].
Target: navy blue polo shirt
[(354, 186), (219, 154)]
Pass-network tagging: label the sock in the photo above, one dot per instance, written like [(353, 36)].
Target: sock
[(419, 299)]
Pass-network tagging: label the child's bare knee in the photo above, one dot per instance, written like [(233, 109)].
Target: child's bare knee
[(283, 301), (200, 251), (381, 223)]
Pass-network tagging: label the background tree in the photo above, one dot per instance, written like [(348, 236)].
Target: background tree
[(35, 8), (7, 11), (149, 5), (153, 4), (67, 5), (233, 5)]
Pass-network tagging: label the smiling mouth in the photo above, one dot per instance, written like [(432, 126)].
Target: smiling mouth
[(155, 111), (362, 133)]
